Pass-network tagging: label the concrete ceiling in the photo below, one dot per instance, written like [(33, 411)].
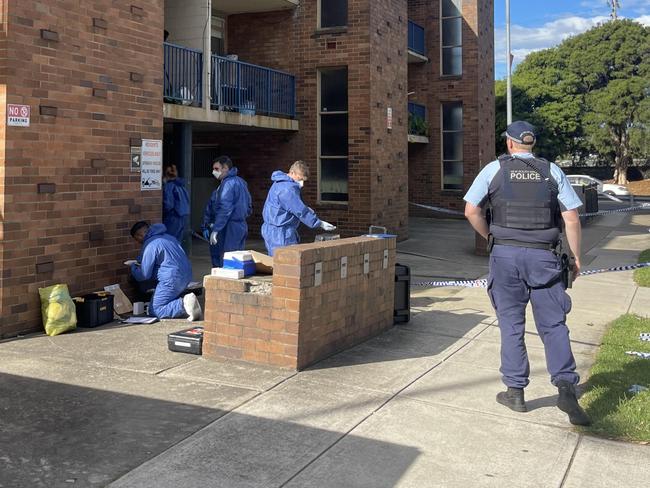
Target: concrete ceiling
[(229, 7)]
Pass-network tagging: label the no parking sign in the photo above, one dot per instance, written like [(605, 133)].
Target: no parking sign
[(18, 115)]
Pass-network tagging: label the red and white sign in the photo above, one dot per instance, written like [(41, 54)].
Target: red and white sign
[(18, 115)]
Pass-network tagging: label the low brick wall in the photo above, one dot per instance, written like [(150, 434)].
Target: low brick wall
[(299, 316)]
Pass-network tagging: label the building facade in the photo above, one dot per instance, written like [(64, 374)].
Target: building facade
[(387, 101)]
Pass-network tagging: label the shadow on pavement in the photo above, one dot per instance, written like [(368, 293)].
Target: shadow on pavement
[(61, 435)]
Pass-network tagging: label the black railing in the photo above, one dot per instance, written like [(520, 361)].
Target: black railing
[(183, 75)]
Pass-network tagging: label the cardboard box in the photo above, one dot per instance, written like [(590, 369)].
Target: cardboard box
[(263, 263)]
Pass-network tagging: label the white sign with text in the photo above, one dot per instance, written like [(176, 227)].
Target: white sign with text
[(18, 115), (151, 164)]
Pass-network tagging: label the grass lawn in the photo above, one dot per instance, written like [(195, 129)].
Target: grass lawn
[(642, 276), (615, 412)]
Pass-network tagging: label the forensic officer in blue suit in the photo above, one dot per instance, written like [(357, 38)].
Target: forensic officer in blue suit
[(163, 259), (284, 209), (529, 199), (224, 218), (176, 203)]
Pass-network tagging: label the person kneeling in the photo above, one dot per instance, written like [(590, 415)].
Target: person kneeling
[(163, 259)]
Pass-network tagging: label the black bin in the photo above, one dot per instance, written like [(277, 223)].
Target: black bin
[(94, 309), (402, 309)]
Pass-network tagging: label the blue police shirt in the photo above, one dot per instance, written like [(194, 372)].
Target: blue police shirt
[(478, 192)]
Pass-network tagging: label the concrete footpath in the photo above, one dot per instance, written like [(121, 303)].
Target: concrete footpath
[(413, 407)]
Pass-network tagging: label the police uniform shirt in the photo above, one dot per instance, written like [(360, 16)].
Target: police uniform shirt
[(477, 195)]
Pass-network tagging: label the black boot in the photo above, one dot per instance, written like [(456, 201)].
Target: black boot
[(513, 398), (568, 403)]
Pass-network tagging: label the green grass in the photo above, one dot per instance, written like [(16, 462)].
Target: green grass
[(615, 413), (642, 276)]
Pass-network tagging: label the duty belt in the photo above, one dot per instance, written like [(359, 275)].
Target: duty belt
[(548, 246)]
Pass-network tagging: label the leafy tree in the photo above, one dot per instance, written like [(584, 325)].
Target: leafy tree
[(589, 95)]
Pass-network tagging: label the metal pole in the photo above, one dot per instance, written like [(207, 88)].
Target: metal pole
[(509, 65)]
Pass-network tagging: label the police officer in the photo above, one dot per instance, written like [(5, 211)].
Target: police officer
[(529, 198)]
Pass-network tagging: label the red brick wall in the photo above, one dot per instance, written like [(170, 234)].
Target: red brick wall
[(474, 88), (301, 322), (263, 39), (80, 145)]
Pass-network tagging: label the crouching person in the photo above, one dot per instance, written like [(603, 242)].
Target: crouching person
[(163, 259)]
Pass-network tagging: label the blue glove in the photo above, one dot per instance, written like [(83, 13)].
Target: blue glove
[(206, 234)]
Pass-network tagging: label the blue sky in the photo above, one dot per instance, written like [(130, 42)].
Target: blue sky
[(539, 24)]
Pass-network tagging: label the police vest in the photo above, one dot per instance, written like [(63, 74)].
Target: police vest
[(523, 195)]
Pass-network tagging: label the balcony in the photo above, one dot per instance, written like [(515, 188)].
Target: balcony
[(230, 7), (418, 132), (250, 89), (240, 93), (416, 48)]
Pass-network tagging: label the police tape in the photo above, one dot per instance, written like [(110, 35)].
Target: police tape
[(482, 283), (642, 206)]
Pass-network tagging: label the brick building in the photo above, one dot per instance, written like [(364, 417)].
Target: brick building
[(330, 82)]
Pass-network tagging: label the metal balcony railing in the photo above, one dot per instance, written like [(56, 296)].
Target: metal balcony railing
[(417, 119), (416, 38), (183, 75), (251, 89)]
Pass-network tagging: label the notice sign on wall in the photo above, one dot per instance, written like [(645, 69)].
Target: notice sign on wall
[(18, 115), (151, 164)]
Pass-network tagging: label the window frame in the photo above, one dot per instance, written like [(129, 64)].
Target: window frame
[(442, 144), (319, 17), (451, 47), (320, 113)]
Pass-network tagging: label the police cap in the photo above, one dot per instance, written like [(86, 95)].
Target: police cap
[(521, 132)]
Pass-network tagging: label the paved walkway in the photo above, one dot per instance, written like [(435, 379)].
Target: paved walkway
[(412, 408)]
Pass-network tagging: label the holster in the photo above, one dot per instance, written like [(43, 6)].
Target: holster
[(567, 264), (490, 243)]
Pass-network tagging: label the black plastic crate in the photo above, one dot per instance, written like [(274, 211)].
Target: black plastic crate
[(402, 308), (186, 340), (94, 309)]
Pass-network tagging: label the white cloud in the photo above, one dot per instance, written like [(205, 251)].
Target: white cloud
[(525, 40)]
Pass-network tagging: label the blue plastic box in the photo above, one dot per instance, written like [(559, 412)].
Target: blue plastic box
[(247, 266)]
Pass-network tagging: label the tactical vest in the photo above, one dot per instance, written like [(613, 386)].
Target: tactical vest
[(523, 195)]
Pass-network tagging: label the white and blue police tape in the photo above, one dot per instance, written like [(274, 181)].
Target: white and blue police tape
[(482, 283), (642, 206), (642, 355), (644, 336)]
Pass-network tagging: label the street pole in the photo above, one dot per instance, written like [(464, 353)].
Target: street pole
[(509, 65)]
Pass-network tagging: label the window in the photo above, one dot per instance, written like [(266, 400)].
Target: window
[(218, 36), (333, 13), (333, 135), (451, 35), (452, 146)]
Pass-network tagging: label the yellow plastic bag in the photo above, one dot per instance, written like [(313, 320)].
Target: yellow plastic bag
[(58, 310)]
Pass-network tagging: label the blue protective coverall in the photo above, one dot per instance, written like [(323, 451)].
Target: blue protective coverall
[(226, 213), (283, 212), (163, 258), (176, 207)]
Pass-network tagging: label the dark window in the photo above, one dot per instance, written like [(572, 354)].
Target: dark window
[(451, 32), (452, 146), (333, 13), (333, 135), (334, 90)]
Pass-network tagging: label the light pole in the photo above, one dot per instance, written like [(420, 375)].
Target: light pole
[(509, 67)]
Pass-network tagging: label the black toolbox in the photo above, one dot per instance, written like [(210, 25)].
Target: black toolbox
[(186, 340), (94, 309), (402, 308)]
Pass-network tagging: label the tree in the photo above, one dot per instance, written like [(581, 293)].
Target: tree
[(589, 94)]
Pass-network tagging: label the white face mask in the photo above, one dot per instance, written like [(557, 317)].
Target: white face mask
[(216, 174), (301, 183)]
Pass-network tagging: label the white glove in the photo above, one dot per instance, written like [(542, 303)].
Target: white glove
[(130, 262), (326, 226), (213, 238)]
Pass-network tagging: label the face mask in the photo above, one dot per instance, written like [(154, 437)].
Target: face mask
[(216, 174), (301, 183)]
